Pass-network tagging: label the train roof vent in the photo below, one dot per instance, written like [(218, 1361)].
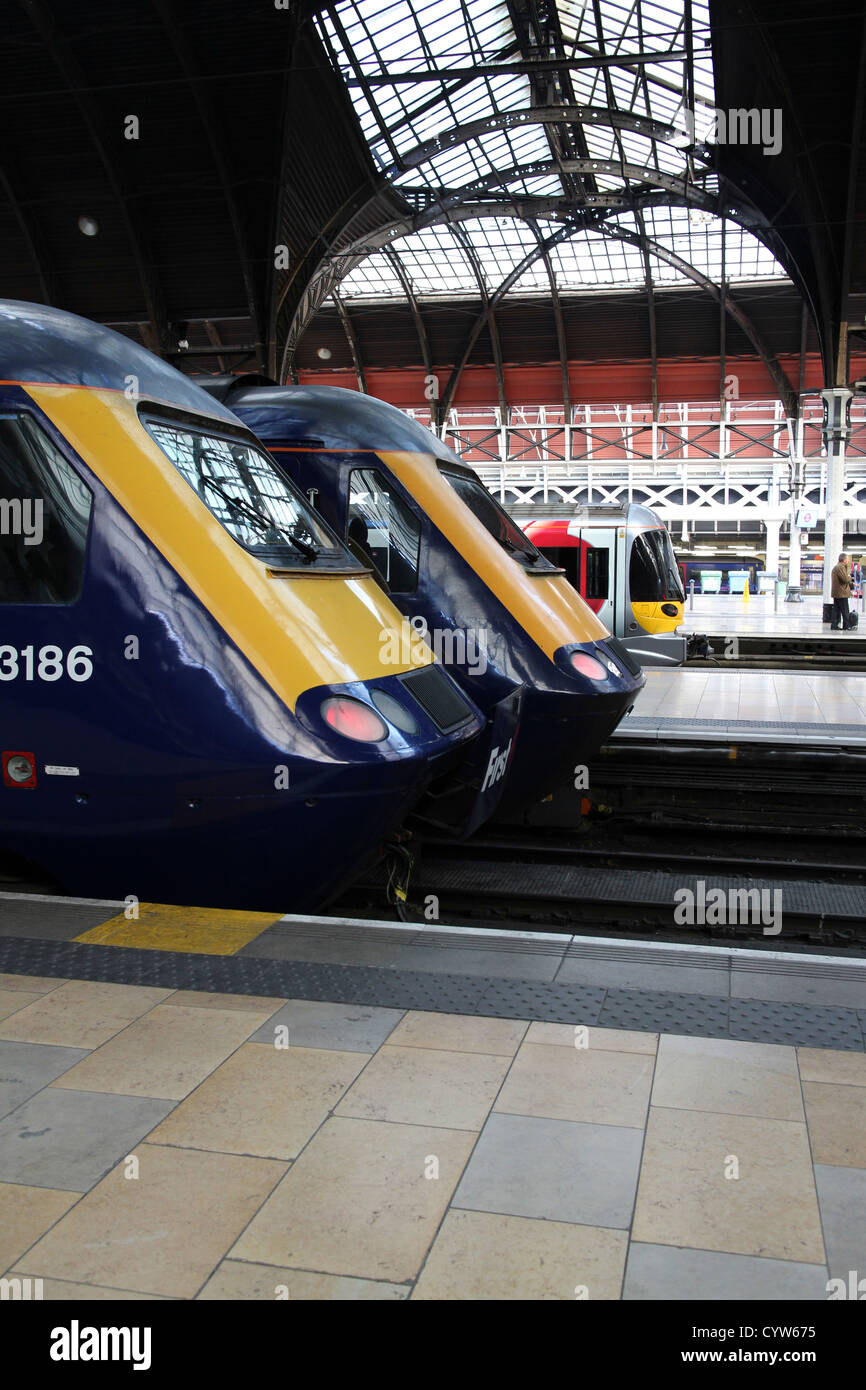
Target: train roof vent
[(439, 696)]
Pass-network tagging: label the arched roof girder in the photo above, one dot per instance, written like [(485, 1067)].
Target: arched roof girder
[(343, 260), (780, 381), (543, 115)]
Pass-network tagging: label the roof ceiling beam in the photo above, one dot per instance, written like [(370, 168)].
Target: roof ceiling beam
[(559, 322), (361, 81), (557, 114), (610, 94), (486, 316), (612, 168), (219, 154), (774, 369), (736, 311), (651, 312), (78, 88), (334, 268), (420, 327), (354, 345), (520, 67), (514, 275), (449, 90), (539, 32), (29, 228), (851, 225)]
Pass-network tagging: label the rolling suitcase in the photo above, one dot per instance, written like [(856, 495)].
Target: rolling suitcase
[(852, 622)]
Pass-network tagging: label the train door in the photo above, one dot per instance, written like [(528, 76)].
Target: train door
[(599, 573)]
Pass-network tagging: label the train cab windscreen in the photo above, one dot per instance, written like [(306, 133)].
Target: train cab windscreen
[(383, 530), (250, 497), (654, 576), (485, 507)]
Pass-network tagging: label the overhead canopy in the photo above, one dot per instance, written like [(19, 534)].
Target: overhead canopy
[(212, 175)]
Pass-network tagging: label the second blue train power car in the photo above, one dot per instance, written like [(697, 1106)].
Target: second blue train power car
[(524, 646)]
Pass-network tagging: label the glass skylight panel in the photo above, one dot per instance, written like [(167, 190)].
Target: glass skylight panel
[(543, 186), (592, 259), (574, 16), (447, 35), (374, 277), (435, 263), (700, 245)]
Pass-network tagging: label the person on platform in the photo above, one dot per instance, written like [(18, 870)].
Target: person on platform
[(840, 592)]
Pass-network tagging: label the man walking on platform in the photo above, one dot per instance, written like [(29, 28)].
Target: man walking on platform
[(840, 590)]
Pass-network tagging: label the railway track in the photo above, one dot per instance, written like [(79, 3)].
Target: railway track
[(769, 902), (758, 652), (655, 820), (680, 787)]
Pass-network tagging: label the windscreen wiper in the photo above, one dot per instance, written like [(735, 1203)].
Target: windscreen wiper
[(516, 550), (308, 551)]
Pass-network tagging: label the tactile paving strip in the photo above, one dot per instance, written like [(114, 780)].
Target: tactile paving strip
[(661, 1011), (542, 1002), (435, 992), (801, 1025)]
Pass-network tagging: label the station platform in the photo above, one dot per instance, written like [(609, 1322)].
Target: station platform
[(810, 708), (723, 614), (210, 1105)]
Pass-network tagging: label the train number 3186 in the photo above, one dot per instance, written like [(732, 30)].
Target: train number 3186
[(45, 664)]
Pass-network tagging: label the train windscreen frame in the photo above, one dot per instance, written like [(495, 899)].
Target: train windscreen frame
[(653, 575), (251, 498), (495, 519)]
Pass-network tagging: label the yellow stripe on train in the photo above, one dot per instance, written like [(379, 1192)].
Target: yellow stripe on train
[(297, 630), (549, 609)]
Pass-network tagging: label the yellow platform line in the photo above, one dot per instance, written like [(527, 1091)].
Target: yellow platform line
[(206, 931)]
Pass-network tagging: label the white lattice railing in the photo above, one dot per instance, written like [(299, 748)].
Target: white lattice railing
[(694, 462)]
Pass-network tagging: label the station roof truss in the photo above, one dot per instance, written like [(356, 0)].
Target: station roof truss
[(548, 146), (296, 156)]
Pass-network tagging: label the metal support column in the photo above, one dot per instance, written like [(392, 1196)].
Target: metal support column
[(797, 474), (836, 431)]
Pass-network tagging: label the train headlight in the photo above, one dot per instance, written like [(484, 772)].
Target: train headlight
[(353, 719), (393, 711), (670, 610), (587, 666)]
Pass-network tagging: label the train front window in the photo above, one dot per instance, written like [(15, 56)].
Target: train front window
[(653, 573), (496, 520), (258, 506), (383, 529)]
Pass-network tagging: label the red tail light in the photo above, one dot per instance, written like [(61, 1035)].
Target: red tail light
[(354, 719), (588, 666)]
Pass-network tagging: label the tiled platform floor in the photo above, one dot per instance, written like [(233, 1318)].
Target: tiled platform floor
[(822, 698), (164, 1144), (721, 613)]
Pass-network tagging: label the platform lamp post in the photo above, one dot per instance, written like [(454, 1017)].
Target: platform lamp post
[(797, 469), (836, 431)]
